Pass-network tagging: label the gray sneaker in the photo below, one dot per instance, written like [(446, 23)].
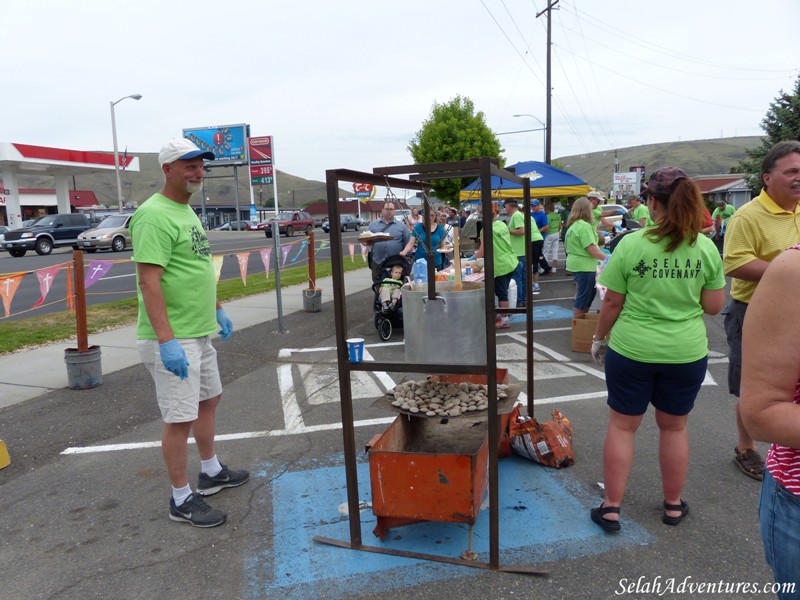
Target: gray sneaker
[(195, 511), (207, 485)]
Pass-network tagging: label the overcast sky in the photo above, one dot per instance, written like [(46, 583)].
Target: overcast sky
[(347, 84)]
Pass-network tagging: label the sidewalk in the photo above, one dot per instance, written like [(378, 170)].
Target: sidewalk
[(31, 373)]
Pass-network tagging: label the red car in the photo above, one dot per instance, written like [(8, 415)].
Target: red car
[(290, 222)]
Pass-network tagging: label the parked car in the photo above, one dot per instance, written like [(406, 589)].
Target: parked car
[(291, 221), (46, 233), (346, 222), (318, 221), (112, 233), (234, 226), (616, 213)]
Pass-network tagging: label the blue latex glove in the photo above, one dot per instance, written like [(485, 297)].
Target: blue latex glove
[(174, 358), (224, 321)]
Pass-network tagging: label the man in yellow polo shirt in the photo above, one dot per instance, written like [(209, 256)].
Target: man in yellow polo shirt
[(757, 233)]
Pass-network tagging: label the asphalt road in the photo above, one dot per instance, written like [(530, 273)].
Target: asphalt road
[(84, 502), (120, 281)]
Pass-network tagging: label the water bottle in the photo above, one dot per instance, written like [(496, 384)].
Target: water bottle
[(420, 270)]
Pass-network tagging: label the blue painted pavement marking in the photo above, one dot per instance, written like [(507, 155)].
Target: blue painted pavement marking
[(547, 505), (545, 312)]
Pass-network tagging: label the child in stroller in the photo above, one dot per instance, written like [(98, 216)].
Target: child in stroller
[(388, 303)]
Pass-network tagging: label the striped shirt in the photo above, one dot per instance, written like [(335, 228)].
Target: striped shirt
[(783, 462), (761, 230)]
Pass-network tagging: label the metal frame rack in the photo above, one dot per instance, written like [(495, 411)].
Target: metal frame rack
[(419, 178)]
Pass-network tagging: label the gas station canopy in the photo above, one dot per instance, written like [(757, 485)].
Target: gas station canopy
[(60, 163)]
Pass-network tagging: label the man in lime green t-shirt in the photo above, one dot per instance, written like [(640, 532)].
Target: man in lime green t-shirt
[(550, 245), (639, 212), (721, 215), (505, 263), (516, 229), (178, 312)]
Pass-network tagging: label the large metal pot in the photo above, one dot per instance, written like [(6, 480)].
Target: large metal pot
[(447, 330)]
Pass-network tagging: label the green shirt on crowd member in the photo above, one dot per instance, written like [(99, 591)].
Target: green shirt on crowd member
[(662, 318), (726, 213), (505, 259), (554, 222), (597, 214), (579, 237), (642, 212), (517, 221), (169, 234)]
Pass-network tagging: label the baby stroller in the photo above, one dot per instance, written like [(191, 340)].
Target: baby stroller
[(388, 318)]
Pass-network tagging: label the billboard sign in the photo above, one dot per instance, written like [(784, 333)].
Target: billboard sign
[(228, 143)]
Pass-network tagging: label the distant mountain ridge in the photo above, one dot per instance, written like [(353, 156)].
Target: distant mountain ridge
[(696, 157), (293, 191)]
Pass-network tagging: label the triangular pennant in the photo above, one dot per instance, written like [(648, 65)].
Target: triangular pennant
[(243, 258), (284, 254), (97, 270), (217, 260), (266, 253), (364, 252), (8, 287), (303, 246), (45, 277), (324, 244), (352, 248)]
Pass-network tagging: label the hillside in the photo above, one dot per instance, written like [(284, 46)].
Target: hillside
[(696, 157), (293, 191)]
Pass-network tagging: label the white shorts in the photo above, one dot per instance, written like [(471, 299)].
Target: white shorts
[(550, 248), (179, 399)]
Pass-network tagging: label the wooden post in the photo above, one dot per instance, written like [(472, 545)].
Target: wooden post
[(312, 270), (457, 257), (80, 301)]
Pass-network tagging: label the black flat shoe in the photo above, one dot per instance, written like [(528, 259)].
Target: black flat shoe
[(606, 524), (667, 520)]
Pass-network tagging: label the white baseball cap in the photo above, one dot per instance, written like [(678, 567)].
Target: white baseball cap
[(181, 149)]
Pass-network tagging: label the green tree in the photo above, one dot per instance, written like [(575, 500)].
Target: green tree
[(453, 131), (782, 122)]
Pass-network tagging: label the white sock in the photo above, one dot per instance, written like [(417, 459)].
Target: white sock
[(211, 467), (179, 495)]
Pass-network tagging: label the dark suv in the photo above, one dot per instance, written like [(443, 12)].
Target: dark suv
[(345, 222), (46, 233)]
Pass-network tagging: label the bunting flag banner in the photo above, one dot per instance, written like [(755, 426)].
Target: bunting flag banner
[(352, 248), (70, 297), (8, 287), (97, 270), (266, 253), (217, 260), (284, 254), (303, 246), (243, 258), (46, 277), (364, 252), (324, 244)]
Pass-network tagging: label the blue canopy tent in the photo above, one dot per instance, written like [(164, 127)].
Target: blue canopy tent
[(547, 181)]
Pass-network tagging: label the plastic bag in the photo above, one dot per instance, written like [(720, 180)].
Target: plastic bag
[(549, 444)]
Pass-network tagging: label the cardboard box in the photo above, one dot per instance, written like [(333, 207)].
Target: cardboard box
[(582, 331)]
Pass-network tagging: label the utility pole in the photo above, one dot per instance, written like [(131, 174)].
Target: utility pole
[(549, 117)]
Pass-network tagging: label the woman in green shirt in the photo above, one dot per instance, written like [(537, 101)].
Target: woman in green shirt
[(580, 243), (660, 280)]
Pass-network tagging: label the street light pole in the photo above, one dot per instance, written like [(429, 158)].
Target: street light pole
[(116, 151), (544, 128)]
